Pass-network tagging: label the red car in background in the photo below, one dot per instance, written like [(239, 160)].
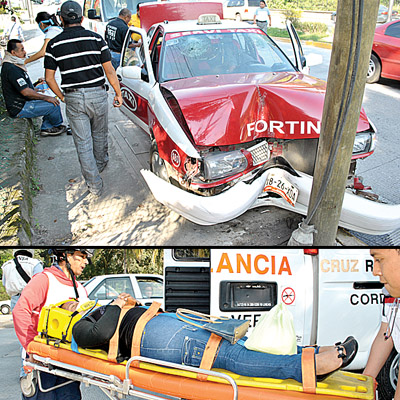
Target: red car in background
[(385, 56)]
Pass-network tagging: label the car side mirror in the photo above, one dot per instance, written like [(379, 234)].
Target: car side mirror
[(92, 14), (131, 72)]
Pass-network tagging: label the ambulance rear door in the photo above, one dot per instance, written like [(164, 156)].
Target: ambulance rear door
[(245, 283), (349, 299)]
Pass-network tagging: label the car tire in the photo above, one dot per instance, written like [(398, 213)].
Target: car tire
[(5, 309), (238, 18), (374, 69), (387, 377), (157, 164)]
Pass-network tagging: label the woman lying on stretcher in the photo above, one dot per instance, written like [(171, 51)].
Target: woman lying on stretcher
[(167, 338)]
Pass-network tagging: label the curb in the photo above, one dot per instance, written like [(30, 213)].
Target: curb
[(321, 45)]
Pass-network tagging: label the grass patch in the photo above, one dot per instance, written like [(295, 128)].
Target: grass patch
[(283, 33)]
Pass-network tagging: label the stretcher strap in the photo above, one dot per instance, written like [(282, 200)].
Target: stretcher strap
[(208, 358), (308, 370), (139, 328), (113, 346)]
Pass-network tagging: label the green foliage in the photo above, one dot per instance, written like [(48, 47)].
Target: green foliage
[(5, 255), (312, 27), (118, 261), (293, 15), (320, 5)]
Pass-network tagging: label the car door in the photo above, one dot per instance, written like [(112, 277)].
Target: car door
[(136, 77), (300, 59), (390, 52), (349, 300)]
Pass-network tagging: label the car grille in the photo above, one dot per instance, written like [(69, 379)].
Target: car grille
[(259, 153)]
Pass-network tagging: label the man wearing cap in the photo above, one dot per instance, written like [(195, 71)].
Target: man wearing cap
[(83, 57), (51, 286)]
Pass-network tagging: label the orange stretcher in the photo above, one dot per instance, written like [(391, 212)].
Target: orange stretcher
[(167, 379)]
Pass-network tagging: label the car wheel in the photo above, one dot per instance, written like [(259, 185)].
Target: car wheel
[(157, 164), (238, 17), (374, 69), (5, 309), (387, 378)]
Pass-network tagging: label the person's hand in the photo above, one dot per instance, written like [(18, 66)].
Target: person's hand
[(52, 100), (121, 300), (117, 101), (29, 358)]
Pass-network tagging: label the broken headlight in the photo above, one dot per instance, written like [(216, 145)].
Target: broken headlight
[(219, 165), (364, 142)]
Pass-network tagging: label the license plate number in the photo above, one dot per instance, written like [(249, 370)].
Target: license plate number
[(281, 186)]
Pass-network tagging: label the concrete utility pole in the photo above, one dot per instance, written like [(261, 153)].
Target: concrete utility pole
[(352, 43)]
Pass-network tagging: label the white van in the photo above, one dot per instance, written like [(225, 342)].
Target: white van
[(240, 10), (97, 13)]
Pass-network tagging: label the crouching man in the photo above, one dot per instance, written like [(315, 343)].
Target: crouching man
[(21, 98)]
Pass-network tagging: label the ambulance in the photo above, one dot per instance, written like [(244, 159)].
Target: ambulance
[(331, 293)]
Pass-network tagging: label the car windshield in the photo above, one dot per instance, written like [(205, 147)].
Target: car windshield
[(190, 54)]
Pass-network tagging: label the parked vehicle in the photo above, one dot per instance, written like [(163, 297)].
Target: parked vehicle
[(5, 307), (385, 54), (382, 15), (331, 293), (97, 13), (240, 10), (144, 287)]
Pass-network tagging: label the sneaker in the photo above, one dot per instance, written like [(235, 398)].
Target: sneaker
[(96, 192), (56, 130), (28, 384), (62, 127), (69, 130)]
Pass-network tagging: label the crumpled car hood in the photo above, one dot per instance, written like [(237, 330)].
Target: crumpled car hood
[(238, 108)]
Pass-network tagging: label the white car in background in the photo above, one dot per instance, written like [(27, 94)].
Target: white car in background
[(240, 10), (5, 307), (145, 288)]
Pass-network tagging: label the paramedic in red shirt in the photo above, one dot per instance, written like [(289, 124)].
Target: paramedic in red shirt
[(51, 286)]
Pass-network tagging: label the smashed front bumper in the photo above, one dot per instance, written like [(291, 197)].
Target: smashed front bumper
[(358, 213)]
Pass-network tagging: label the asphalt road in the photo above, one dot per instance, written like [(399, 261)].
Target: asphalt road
[(381, 102)]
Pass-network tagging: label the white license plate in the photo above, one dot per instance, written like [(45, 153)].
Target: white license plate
[(280, 185)]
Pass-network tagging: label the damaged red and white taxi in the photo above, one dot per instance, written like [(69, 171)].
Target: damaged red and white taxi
[(234, 123)]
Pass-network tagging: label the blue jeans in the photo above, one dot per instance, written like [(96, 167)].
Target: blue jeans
[(182, 343), (39, 108), (115, 59), (87, 112), (71, 391)]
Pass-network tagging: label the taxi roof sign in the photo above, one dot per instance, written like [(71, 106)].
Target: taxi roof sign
[(205, 19)]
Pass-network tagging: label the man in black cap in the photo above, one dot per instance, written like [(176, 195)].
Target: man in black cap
[(83, 57)]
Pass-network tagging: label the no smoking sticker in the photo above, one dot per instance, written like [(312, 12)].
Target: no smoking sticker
[(288, 296)]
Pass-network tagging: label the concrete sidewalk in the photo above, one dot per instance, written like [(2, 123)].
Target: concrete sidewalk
[(126, 213)]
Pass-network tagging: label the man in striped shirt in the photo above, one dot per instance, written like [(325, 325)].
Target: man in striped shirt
[(83, 57)]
